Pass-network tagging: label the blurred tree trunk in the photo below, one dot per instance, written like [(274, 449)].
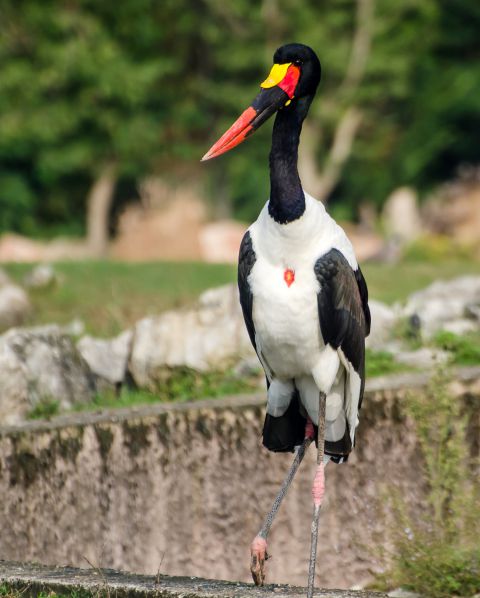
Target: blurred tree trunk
[(322, 184), (99, 202)]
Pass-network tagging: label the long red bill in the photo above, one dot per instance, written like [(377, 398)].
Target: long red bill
[(235, 134)]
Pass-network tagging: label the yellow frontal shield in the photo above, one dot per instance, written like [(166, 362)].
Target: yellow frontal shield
[(276, 75)]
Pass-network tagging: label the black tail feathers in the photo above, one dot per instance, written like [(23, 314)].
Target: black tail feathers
[(282, 434)]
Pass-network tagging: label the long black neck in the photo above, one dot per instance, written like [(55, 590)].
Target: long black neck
[(287, 200)]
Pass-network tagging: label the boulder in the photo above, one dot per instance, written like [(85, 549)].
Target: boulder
[(424, 358), (220, 241), (384, 319), (14, 305), (210, 336), (444, 302), (41, 276), (40, 364), (401, 216), (107, 358)]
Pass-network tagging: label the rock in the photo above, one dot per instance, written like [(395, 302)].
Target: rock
[(401, 593), (38, 364), (367, 243), (220, 241), (150, 231), (15, 248), (14, 305), (461, 326), (41, 276), (443, 302), (424, 358), (107, 358), (209, 336), (401, 217), (248, 367), (454, 210), (74, 328), (384, 319)]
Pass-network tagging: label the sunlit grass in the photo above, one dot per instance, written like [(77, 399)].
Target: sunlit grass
[(111, 296), (464, 350), (395, 282), (174, 385), (382, 363)]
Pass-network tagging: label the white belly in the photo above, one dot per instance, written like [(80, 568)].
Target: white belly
[(286, 318)]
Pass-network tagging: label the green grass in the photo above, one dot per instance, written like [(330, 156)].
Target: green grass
[(44, 409), (465, 349), (382, 363), (111, 296), (177, 384), (390, 283), (7, 591)]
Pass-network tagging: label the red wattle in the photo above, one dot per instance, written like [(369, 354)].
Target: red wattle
[(290, 81)]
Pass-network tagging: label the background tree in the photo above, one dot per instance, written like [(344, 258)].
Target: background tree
[(94, 96)]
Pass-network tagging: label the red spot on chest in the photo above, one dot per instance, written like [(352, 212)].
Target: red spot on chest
[(289, 276)]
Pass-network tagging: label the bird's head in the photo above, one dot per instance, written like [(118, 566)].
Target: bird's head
[(295, 74)]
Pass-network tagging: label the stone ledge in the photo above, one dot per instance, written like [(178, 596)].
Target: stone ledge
[(394, 382), (32, 578)]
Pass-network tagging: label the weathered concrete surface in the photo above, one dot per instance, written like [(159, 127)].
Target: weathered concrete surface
[(32, 578), (185, 488)]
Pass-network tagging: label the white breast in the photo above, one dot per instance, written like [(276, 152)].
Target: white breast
[(286, 317)]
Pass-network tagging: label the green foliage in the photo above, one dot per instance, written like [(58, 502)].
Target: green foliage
[(7, 591), (382, 363), (44, 409), (178, 385), (465, 349), (436, 552), (148, 86)]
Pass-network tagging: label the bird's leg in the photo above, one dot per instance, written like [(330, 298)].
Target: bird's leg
[(318, 491), (258, 548)]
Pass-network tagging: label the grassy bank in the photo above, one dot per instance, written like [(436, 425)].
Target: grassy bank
[(110, 296)]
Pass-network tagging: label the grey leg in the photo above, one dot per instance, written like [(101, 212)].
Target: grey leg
[(318, 492), (258, 547)]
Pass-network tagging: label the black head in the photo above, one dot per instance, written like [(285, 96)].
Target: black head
[(295, 75), (310, 69)]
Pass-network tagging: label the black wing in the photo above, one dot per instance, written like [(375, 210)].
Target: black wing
[(246, 260), (343, 309)]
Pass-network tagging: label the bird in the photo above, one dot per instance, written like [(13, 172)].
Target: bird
[(303, 296)]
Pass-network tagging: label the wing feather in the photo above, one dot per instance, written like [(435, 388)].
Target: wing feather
[(343, 309)]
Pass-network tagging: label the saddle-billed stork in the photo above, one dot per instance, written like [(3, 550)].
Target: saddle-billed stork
[(303, 296)]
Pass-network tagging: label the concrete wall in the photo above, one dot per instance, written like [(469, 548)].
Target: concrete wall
[(184, 489)]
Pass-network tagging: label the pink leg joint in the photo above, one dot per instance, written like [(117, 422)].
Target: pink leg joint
[(318, 488), (259, 547)]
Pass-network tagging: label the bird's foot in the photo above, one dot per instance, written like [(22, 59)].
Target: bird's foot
[(258, 552)]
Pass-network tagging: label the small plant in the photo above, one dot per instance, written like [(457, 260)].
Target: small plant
[(382, 363), (44, 409), (176, 384), (465, 349), (437, 552)]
